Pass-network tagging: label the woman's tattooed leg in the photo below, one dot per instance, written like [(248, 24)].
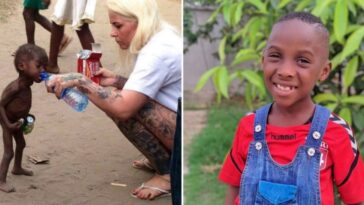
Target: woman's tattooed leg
[(160, 121), (146, 143)]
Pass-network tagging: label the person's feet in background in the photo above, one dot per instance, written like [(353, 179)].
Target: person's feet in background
[(31, 15), (61, 17)]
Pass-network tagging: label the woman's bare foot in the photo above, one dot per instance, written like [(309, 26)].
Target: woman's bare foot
[(6, 187), (22, 171), (157, 186)]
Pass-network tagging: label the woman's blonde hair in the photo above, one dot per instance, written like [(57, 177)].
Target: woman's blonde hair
[(146, 13)]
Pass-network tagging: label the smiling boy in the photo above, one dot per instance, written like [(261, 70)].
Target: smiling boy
[(293, 151)]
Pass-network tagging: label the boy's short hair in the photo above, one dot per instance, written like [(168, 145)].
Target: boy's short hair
[(28, 52), (309, 19), (303, 16)]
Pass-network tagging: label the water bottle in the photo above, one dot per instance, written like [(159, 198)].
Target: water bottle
[(73, 97)]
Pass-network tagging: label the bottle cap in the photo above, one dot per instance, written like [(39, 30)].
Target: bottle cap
[(44, 75), (30, 119)]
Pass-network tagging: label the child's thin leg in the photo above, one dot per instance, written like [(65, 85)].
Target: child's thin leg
[(85, 36), (20, 145), (56, 37), (43, 21), (28, 15), (8, 155)]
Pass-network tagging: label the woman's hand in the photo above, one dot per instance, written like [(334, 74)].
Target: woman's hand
[(107, 77), (58, 83)]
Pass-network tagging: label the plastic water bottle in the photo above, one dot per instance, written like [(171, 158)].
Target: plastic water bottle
[(73, 97)]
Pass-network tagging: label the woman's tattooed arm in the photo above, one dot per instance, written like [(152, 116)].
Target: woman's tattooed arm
[(70, 76), (156, 118), (88, 87), (119, 82)]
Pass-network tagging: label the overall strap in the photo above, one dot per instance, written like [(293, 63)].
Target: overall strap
[(318, 126), (260, 122)]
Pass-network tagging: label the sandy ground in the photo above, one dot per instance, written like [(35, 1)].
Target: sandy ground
[(86, 151)]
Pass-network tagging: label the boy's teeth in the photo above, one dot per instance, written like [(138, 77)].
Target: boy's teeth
[(284, 88)]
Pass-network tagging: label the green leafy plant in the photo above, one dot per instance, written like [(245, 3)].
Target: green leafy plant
[(243, 37)]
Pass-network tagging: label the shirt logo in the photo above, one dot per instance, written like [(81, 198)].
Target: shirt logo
[(323, 158), (283, 137)]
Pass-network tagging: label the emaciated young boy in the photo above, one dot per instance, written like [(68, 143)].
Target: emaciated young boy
[(15, 105), (293, 151)]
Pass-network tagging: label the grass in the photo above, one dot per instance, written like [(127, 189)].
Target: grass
[(207, 153)]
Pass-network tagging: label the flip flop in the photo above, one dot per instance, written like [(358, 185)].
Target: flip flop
[(64, 44), (163, 193), (143, 164)]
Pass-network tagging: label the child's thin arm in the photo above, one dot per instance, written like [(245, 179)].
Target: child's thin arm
[(8, 95), (231, 193), (5, 119)]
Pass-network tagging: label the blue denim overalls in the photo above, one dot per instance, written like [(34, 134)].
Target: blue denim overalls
[(266, 182)]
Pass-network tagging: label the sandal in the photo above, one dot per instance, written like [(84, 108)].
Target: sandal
[(154, 191), (143, 164), (163, 193)]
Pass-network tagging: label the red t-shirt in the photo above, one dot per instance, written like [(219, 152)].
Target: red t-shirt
[(340, 160)]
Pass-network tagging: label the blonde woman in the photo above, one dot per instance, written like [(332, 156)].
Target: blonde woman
[(143, 106)]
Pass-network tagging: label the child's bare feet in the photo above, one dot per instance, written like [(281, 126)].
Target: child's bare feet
[(6, 187), (156, 187), (22, 171)]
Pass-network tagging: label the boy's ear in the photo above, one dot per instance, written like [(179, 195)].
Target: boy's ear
[(325, 71), (21, 66)]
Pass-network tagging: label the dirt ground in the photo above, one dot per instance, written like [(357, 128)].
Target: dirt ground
[(193, 122), (86, 151)]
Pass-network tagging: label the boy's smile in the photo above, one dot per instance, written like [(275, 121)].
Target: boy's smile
[(283, 89), (294, 59)]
